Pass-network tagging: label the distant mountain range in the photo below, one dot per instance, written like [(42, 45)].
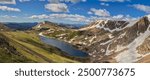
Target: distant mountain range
[(20, 26), (27, 26)]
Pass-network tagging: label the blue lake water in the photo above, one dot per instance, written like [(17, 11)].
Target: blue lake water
[(68, 48)]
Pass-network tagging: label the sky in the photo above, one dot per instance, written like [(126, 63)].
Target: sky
[(72, 11)]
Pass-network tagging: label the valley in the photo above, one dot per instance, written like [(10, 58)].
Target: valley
[(103, 41)]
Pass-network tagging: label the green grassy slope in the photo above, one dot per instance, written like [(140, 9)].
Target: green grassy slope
[(29, 46), (8, 53)]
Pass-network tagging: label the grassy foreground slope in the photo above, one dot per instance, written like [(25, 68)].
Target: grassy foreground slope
[(29, 48)]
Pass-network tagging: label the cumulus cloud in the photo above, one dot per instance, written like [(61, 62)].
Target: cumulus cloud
[(118, 17), (54, 1), (99, 12), (8, 17), (81, 18), (123, 17), (24, 0), (141, 7), (6, 8), (41, 0), (57, 7), (72, 1), (43, 16), (114, 0), (7, 2), (69, 17), (104, 4)]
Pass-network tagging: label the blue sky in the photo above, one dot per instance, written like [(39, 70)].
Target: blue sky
[(72, 11)]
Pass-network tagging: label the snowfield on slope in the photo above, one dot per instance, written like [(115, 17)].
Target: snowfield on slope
[(131, 55)]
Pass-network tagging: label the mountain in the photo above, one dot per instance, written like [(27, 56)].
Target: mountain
[(112, 40), (119, 41), (72, 26), (50, 25), (121, 44), (46, 25), (20, 26)]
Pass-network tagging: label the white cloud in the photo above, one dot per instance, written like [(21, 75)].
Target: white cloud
[(24, 0), (80, 18), (99, 12), (57, 7), (74, 1), (130, 18), (41, 0), (141, 7), (8, 17), (114, 0), (54, 1), (43, 16), (104, 4), (90, 12), (69, 17), (7, 2), (6, 8), (119, 17)]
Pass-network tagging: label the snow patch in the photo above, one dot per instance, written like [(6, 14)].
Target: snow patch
[(110, 36), (92, 39), (107, 50), (122, 35), (148, 17), (106, 42), (39, 26), (120, 48), (44, 22), (131, 23), (41, 34), (131, 55)]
